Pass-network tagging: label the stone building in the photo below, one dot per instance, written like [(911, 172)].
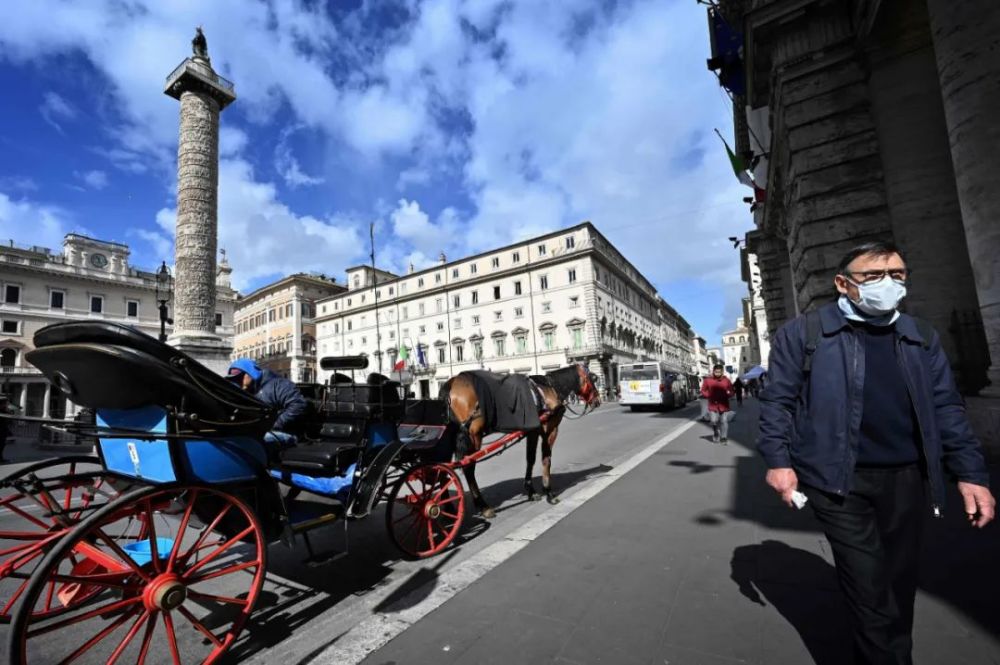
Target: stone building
[(91, 279), (276, 324), (736, 350), (529, 307), (876, 119)]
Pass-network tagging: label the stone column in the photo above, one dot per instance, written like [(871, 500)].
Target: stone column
[(967, 48), (46, 401), (24, 399), (202, 94)]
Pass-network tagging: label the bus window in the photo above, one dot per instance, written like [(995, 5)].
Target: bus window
[(640, 373)]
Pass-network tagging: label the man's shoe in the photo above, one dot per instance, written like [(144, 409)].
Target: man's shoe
[(725, 441)]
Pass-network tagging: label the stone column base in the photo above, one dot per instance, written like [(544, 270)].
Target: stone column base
[(211, 351), (984, 416)]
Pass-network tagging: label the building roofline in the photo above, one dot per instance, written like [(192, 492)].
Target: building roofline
[(304, 277), (103, 242)]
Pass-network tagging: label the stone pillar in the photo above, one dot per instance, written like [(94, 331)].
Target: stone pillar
[(966, 44), (46, 401), (202, 94), (24, 399)]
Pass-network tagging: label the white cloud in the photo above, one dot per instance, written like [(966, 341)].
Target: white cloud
[(288, 166), (232, 141), (54, 109), (32, 223), (162, 245), (93, 179), (18, 184)]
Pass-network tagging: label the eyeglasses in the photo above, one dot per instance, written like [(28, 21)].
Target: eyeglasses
[(872, 276)]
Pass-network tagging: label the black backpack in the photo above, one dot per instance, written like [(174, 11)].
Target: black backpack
[(814, 331)]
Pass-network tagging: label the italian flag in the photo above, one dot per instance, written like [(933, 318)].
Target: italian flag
[(404, 355), (739, 166)]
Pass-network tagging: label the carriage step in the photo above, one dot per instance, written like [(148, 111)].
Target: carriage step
[(304, 516)]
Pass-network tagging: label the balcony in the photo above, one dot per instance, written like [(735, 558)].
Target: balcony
[(197, 75)]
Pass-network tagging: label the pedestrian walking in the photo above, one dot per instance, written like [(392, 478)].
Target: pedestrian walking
[(739, 387), (861, 415), (717, 389)]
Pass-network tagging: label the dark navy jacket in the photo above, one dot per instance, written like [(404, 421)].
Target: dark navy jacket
[(814, 428), (279, 392)]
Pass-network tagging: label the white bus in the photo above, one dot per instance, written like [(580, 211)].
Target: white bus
[(652, 384)]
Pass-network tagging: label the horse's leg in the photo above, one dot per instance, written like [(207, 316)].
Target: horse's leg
[(476, 440), (548, 441), (531, 448)]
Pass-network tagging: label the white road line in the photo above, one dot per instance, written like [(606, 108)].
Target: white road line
[(373, 633)]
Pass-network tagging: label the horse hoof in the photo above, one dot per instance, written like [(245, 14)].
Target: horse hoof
[(488, 513), (553, 500)]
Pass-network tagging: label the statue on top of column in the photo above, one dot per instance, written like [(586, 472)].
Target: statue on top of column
[(199, 45)]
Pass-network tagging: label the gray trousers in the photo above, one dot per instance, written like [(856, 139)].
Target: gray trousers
[(720, 423)]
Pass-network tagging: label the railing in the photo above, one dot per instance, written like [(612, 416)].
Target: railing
[(198, 71), (32, 371)]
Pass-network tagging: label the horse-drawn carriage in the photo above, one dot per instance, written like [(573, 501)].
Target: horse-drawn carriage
[(159, 544)]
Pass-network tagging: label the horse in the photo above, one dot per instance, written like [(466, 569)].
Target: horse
[(555, 387)]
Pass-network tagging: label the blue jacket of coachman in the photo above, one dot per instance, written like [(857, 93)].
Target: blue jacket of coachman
[(811, 421)]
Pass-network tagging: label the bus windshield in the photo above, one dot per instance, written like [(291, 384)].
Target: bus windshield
[(640, 373)]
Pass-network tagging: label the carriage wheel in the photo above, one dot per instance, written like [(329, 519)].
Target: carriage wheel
[(425, 510), (185, 590), (39, 504)]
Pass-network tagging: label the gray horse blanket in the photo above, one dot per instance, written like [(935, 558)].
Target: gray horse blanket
[(507, 401)]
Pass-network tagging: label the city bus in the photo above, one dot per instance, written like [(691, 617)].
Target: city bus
[(652, 384)]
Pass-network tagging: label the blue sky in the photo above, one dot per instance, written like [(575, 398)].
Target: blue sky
[(454, 125)]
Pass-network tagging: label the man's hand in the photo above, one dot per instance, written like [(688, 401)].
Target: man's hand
[(980, 506), (784, 482)]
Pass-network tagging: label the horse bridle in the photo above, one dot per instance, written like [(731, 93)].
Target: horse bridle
[(588, 391)]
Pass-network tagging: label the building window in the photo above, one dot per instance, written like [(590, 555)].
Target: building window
[(572, 275), (517, 288), (364, 321), (12, 294), (522, 343), (422, 329), (546, 307), (456, 301), (392, 290), (541, 250), (441, 354), (8, 358), (406, 312), (421, 309), (457, 324), (440, 326), (439, 305), (357, 281), (454, 273), (364, 340), (570, 242), (475, 297), (549, 340), (495, 262), (437, 278), (498, 347), (322, 309), (10, 327), (475, 320), (459, 353), (543, 282), (57, 300), (518, 312), (577, 338), (336, 327), (516, 257), (574, 301), (96, 304), (392, 334), (496, 293), (402, 288), (498, 315), (288, 308), (420, 282), (218, 318), (132, 309), (477, 350), (350, 325)]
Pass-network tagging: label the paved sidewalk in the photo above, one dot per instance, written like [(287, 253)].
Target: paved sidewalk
[(690, 560)]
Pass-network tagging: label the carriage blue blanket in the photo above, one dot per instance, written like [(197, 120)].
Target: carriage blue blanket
[(507, 401), (337, 487)]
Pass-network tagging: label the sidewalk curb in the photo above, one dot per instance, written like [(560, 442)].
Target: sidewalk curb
[(370, 635)]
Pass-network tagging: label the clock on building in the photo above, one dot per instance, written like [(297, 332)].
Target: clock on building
[(98, 260)]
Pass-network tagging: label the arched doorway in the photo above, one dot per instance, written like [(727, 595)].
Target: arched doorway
[(8, 357)]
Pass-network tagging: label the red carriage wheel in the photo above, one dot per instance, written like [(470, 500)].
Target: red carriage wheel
[(39, 504), (187, 589), (425, 510)]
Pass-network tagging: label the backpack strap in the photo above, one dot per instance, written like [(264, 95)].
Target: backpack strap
[(814, 331)]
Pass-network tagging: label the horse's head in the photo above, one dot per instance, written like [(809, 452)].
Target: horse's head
[(587, 389)]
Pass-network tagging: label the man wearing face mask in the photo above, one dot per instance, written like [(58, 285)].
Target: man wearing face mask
[(861, 416)]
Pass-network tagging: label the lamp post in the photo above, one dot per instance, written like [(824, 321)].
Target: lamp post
[(162, 296)]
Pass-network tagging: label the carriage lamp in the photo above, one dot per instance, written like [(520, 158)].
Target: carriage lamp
[(162, 296)]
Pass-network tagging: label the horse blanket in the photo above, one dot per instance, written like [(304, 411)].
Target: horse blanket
[(508, 402)]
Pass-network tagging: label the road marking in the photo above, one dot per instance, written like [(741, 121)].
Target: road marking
[(376, 631)]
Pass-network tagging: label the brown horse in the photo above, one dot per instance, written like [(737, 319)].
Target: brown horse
[(556, 386)]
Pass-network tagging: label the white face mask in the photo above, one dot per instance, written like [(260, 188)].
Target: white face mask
[(881, 297)]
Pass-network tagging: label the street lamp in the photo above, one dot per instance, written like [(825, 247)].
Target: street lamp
[(162, 296)]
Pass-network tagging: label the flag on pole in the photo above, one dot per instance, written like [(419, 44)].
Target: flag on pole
[(739, 166), (421, 359), (404, 355)]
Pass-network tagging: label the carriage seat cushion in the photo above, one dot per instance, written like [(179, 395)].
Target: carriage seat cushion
[(326, 456)]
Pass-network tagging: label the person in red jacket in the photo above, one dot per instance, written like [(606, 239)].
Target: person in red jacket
[(717, 389)]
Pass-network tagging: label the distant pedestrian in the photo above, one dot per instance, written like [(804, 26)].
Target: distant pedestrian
[(861, 416), (717, 389), (739, 387)]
